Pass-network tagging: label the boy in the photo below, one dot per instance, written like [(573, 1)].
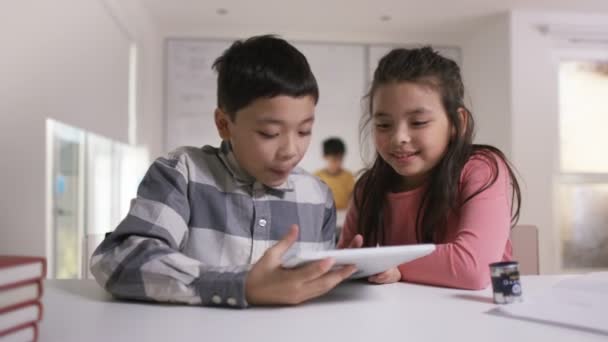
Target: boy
[(340, 181), (205, 220)]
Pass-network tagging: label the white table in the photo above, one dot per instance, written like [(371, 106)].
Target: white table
[(79, 310)]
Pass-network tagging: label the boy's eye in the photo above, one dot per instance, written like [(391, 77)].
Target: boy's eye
[(305, 133), (266, 135), (381, 125)]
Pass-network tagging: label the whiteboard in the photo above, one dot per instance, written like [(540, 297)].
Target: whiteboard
[(190, 94)]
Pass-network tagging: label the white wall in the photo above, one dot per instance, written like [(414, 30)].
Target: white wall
[(487, 76), (66, 60), (135, 21), (534, 134)]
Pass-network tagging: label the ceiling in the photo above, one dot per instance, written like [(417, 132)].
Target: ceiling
[(343, 15)]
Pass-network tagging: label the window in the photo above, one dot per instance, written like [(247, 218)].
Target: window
[(93, 181), (67, 176), (582, 189)]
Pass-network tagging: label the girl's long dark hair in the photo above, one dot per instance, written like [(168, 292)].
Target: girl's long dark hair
[(425, 66)]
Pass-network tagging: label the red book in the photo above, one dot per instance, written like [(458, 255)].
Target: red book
[(28, 333), (20, 316), (20, 293), (20, 269)]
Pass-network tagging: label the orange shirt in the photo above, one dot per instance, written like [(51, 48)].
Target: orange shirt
[(341, 186)]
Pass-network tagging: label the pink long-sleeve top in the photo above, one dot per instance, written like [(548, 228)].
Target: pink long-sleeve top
[(476, 237)]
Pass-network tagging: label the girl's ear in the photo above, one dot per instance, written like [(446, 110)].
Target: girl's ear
[(221, 122), (463, 119)]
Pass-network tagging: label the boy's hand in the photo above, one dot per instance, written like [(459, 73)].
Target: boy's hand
[(269, 283), (356, 242), (390, 276)]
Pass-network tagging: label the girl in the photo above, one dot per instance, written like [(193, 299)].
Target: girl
[(429, 183)]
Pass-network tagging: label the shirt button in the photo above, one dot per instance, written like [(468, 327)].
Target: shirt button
[(216, 299), (262, 223), (231, 301)]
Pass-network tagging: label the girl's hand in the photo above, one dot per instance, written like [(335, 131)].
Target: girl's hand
[(356, 242), (390, 276)]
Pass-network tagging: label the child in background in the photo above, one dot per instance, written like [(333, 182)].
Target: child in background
[(204, 227), (340, 181), (429, 183)]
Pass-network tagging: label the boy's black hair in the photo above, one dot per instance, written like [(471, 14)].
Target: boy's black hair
[(261, 66), (333, 147)]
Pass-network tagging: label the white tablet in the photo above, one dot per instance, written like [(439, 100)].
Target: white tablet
[(369, 260)]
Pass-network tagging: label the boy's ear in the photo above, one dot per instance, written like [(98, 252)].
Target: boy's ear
[(463, 115), (221, 122)]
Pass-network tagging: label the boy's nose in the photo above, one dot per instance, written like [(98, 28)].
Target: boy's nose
[(288, 149)]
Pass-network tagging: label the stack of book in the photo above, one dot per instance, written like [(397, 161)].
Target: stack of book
[(20, 292)]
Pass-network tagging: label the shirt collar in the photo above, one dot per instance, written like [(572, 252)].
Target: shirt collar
[(241, 176)]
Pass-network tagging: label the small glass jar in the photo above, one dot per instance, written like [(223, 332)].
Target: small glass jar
[(505, 282)]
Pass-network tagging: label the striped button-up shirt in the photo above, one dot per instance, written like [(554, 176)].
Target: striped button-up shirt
[(198, 224)]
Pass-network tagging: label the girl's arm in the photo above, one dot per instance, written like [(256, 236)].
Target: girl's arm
[(479, 237), (349, 229)]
